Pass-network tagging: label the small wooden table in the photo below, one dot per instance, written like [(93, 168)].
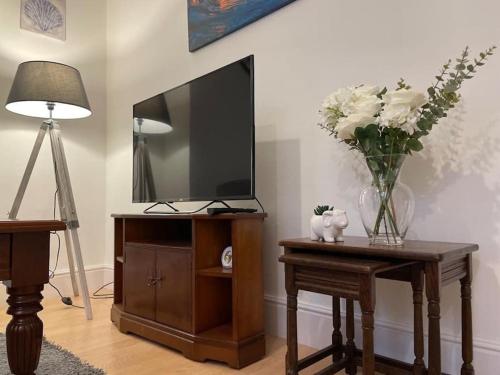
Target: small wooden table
[(24, 269), (443, 263)]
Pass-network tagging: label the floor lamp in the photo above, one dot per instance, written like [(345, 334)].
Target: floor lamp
[(55, 91), (151, 117)]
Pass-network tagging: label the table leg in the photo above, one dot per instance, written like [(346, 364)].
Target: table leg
[(467, 345), (25, 330), (367, 304), (350, 346), (336, 334), (292, 355), (433, 293), (417, 284)]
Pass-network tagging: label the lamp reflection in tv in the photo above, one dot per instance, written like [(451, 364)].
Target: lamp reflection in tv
[(151, 118)]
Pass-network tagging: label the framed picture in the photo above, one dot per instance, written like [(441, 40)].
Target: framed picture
[(210, 20), (47, 17)]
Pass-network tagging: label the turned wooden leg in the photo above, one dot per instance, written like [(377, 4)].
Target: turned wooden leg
[(467, 345), (292, 345), (433, 292), (25, 330), (367, 304), (336, 334), (367, 322), (350, 346), (417, 284)]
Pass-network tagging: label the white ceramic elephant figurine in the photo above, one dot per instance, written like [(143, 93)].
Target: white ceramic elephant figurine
[(330, 226)]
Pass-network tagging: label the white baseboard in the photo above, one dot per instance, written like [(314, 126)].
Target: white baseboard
[(391, 339), (97, 276)]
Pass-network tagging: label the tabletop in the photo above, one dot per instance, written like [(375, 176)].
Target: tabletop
[(16, 226), (411, 250)]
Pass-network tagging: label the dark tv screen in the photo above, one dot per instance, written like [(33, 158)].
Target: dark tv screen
[(196, 142)]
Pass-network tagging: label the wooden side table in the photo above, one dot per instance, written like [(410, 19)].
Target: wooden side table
[(351, 278), (442, 263), (24, 269)]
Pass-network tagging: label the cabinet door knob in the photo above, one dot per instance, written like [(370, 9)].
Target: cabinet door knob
[(151, 281), (158, 280)]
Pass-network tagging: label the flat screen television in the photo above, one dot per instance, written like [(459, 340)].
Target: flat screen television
[(196, 142)]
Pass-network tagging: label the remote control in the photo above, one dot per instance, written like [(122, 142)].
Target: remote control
[(224, 210)]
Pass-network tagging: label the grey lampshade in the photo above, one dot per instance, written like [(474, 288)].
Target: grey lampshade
[(151, 116), (40, 82)]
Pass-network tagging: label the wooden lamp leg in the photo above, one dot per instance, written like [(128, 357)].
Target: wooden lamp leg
[(25, 330)]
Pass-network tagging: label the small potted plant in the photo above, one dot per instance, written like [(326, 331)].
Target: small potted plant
[(317, 219)]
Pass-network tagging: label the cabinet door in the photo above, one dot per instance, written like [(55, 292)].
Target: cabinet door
[(138, 289), (173, 289)]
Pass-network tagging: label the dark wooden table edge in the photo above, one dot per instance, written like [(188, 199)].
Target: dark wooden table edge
[(339, 248), (19, 226)]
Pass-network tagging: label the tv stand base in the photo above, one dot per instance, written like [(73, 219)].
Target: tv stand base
[(177, 212), (196, 347)]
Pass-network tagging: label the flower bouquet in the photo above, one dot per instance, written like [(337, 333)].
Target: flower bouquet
[(386, 125)]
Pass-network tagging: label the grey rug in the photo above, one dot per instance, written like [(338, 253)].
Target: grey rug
[(53, 360)]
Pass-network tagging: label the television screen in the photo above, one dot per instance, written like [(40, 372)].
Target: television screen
[(196, 142)]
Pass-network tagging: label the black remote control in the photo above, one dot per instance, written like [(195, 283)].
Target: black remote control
[(225, 210)]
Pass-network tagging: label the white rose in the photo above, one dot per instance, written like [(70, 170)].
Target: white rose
[(363, 99), (367, 90), (342, 96), (347, 125), (405, 97), (401, 109)]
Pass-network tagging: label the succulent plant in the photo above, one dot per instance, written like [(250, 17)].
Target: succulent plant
[(320, 209)]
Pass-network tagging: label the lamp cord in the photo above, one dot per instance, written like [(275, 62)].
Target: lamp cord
[(260, 204)]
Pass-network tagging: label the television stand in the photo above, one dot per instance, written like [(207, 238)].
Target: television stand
[(148, 210), (177, 212), (171, 288)]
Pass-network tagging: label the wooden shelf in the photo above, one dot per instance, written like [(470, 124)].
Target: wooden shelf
[(223, 332), (185, 245), (216, 272), (119, 259)]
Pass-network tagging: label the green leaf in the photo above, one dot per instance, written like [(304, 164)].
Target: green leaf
[(359, 133), (414, 144), (371, 131)]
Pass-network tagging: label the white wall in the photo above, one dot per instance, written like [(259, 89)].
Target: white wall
[(84, 140), (302, 53)]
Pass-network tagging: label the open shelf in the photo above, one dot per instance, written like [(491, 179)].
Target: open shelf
[(119, 259), (216, 272), (222, 332)]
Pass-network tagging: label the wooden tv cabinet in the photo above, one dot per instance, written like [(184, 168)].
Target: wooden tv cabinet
[(170, 286)]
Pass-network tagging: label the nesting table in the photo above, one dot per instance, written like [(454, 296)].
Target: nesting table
[(348, 270)]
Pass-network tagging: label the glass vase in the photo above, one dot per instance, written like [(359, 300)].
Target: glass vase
[(386, 205)]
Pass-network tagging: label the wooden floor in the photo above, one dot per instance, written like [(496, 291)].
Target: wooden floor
[(99, 343)]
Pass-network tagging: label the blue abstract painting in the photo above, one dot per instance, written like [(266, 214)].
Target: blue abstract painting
[(210, 20)]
